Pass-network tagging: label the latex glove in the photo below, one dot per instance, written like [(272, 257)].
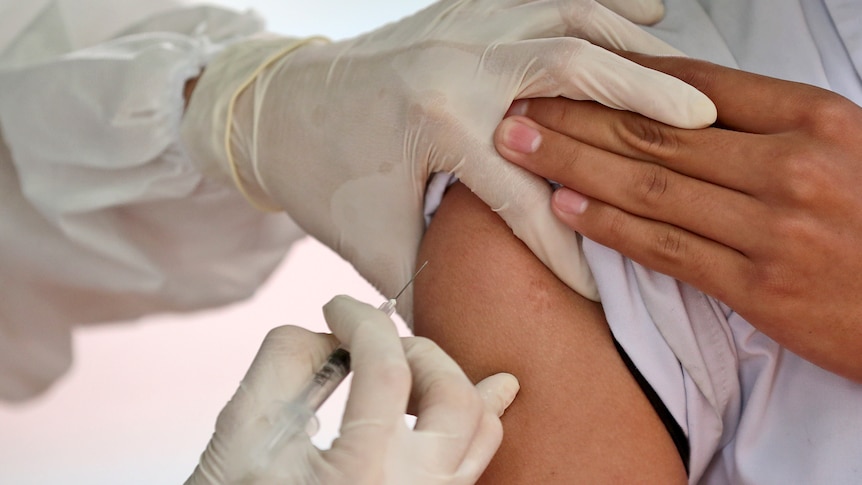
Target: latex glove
[(345, 136), (457, 431), (644, 12), (764, 213)]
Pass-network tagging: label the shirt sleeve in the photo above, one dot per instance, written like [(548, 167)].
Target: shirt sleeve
[(103, 217)]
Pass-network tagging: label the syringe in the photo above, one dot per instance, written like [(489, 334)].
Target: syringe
[(294, 416)]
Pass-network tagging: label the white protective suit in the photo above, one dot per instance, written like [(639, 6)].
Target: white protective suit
[(753, 412), (119, 229)]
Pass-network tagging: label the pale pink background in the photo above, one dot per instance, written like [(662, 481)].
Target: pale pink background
[(141, 400)]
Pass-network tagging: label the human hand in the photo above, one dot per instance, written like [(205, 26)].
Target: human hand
[(764, 213), (345, 136), (644, 12), (457, 431)]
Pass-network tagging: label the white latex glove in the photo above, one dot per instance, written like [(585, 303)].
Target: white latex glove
[(644, 12), (345, 136), (457, 431)]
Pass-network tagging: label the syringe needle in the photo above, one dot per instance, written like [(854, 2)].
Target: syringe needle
[(411, 280), (388, 306)]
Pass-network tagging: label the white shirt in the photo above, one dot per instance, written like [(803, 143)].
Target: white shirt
[(102, 216)]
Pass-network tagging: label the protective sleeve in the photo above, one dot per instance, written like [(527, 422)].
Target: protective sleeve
[(103, 217)]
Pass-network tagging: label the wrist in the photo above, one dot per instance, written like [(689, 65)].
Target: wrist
[(219, 121)]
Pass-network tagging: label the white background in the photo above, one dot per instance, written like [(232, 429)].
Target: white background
[(140, 402)]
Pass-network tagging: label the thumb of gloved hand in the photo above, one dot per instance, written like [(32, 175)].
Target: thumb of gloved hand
[(498, 392)]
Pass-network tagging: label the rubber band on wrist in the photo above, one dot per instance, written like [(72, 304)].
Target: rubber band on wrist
[(234, 170)]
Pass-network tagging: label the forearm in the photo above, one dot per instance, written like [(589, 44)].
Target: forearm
[(580, 416), (92, 167)]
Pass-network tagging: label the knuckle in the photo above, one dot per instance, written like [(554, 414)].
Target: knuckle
[(558, 63), (792, 232), (416, 347), (364, 325), (781, 270), (453, 394), (572, 47), (571, 159), (463, 398), (648, 136), (804, 180), (774, 281), (824, 113), (702, 75), (444, 387), (616, 227), (287, 340), (284, 333), (561, 114), (670, 245), (392, 374), (651, 184)]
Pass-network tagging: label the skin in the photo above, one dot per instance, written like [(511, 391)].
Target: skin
[(580, 417), (189, 89), (762, 211)]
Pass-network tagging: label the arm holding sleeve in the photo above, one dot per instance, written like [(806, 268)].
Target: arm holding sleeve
[(104, 216)]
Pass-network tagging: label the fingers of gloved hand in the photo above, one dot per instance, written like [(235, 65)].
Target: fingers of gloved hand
[(745, 101), (522, 198), (287, 359), (607, 29), (640, 138), (448, 407), (704, 263), (640, 188), (576, 18), (485, 444), (381, 376), (578, 70), (285, 362), (498, 391), (644, 12)]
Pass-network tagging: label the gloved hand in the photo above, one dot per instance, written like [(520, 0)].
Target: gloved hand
[(644, 12), (457, 431), (345, 136)]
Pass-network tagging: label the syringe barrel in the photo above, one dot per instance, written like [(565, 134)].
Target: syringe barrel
[(325, 380)]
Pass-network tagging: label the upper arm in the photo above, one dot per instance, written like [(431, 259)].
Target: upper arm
[(580, 416)]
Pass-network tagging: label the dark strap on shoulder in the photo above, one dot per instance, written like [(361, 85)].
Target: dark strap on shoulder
[(673, 428)]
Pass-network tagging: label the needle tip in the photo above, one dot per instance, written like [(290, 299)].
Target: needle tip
[(411, 279)]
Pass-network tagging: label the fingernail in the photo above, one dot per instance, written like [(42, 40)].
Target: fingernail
[(506, 387), (508, 393), (520, 137), (569, 201), (498, 391), (518, 108)]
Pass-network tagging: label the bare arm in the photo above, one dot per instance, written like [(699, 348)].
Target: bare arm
[(580, 416)]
